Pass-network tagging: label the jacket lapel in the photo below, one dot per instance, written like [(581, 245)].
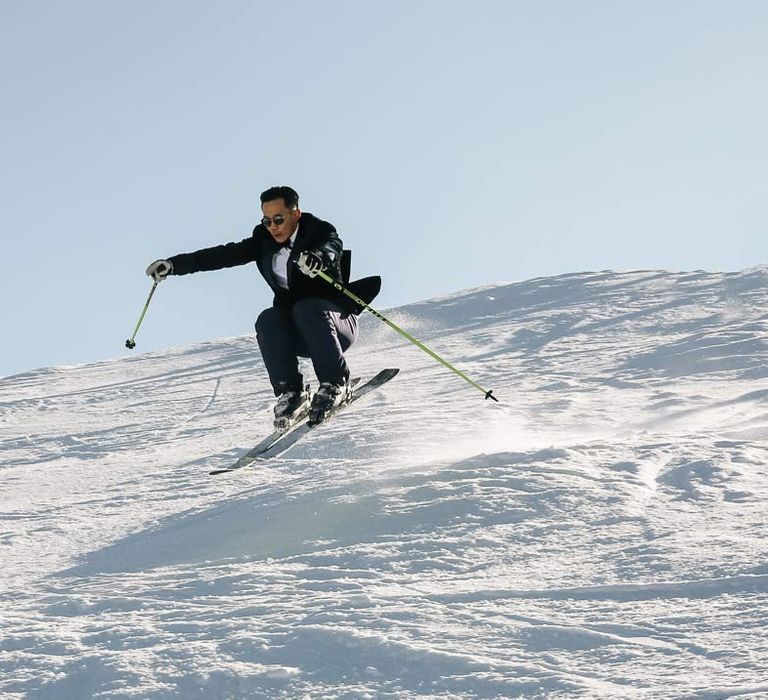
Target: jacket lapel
[(293, 258), (266, 266)]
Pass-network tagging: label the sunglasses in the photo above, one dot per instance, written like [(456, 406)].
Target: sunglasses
[(277, 220)]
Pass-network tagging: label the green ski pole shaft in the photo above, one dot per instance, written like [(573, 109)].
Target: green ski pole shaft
[(341, 288), (131, 342)]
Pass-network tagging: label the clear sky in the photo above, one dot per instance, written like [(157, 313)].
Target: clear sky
[(452, 143)]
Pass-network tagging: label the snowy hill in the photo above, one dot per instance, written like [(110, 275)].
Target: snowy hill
[(600, 533)]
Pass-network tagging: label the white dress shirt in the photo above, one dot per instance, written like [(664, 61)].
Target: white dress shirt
[(280, 261)]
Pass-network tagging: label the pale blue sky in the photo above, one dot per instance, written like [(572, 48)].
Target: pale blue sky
[(453, 144)]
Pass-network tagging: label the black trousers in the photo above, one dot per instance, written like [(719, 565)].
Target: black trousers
[(315, 328)]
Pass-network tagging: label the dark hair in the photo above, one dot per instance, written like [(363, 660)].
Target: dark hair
[(287, 194)]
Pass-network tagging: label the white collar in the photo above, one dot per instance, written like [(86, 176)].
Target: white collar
[(292, 239)]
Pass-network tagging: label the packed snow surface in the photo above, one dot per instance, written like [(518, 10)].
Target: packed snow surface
[(599, 533)]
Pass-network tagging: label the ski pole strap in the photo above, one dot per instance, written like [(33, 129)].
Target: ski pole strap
[(131, 342), (341, 288)]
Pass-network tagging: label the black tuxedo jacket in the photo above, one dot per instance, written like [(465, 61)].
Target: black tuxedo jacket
[(315, 235)]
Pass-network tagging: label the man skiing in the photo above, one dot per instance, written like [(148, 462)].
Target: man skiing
[(308, 316)]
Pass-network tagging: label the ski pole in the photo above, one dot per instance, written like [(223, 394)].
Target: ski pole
[(131, 342), (341, 288)]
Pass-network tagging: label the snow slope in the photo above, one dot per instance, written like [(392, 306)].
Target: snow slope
[(601, 533)]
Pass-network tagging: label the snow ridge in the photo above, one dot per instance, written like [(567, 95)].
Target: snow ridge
[(600, 533)]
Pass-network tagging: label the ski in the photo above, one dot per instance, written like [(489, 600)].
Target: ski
[(270, 440), (262, 446), (285, 443), (281, 440)]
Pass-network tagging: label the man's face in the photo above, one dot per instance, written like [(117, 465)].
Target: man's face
[(276, 209)]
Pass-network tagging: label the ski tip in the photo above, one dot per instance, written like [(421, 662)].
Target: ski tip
[(382, 376)]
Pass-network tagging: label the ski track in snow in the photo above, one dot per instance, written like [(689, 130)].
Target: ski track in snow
[(600, 533)]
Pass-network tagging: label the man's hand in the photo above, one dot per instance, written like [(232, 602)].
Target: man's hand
[(159, 270), (310, 263)]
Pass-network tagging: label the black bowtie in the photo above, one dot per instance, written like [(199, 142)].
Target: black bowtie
[(287, 244)]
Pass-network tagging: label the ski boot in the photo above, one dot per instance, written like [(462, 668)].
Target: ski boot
[(326, 399), (291, 407)]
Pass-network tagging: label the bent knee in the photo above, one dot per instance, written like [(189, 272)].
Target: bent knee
[(266, 319), (308, 307)]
